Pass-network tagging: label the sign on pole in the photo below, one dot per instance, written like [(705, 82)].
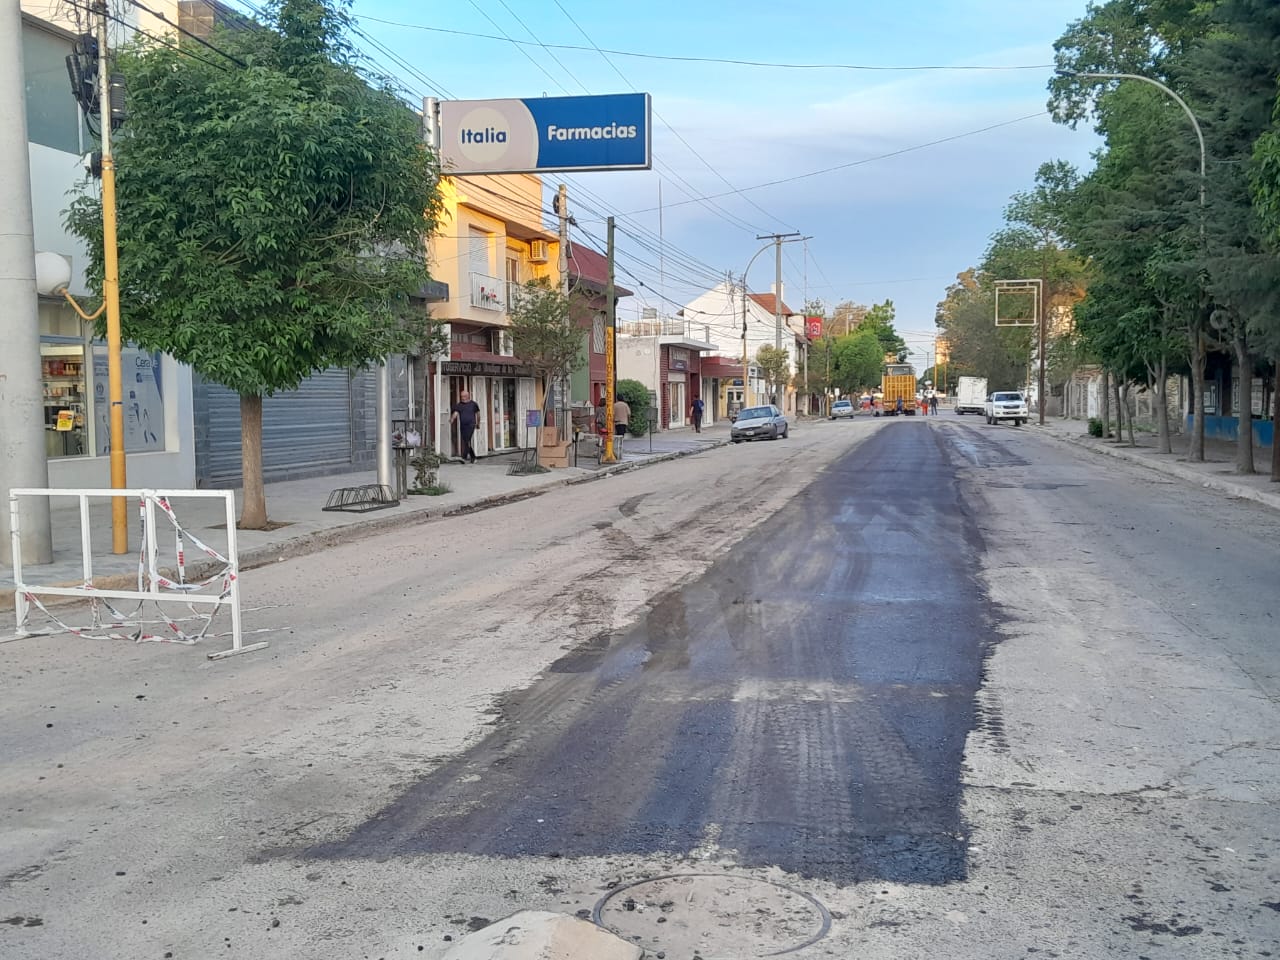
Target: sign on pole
[(1020, 304), (545, 134)]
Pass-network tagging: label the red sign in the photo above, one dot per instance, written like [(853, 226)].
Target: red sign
[(813, 327)]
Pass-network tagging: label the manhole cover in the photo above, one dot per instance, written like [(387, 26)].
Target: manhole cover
[(713, 916)]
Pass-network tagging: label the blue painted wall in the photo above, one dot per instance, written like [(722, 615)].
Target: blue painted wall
[(1227, 428)]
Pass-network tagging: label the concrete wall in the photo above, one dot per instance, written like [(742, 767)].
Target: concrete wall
[(1228, 428)]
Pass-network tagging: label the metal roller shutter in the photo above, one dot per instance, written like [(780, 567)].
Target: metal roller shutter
[(303, 430)]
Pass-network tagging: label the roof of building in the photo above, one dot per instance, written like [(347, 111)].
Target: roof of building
[(766, 300), (591, 270)]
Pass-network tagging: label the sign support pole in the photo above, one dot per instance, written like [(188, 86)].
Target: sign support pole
[(610, 355)]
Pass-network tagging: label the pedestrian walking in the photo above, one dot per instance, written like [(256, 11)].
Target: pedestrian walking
[(933, 404), (621, 421), (695, 411), (466, 414), (899, 406)]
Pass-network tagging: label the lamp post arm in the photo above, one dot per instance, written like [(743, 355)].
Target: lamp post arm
[(1177, 99), (88, 317)]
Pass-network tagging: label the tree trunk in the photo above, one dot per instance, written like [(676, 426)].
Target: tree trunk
[(1161, 390), (1121, 412), (253, 510), (1105, 408), (1129, 414), (1195, 448), (1275, 426), (1244, 407)]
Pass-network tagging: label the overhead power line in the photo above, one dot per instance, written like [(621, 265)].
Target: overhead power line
[(856, 163), (735, 61)]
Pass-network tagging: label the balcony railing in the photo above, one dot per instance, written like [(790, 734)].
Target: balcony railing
[(488, 293), (654, 328)]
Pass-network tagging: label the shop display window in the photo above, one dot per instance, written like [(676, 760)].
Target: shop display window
[(63, 372)]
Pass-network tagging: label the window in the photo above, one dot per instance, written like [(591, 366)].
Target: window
[(143, 398), (62, 372), (53, 117), (597, 333)]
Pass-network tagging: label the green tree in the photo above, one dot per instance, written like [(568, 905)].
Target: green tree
[(637, 397), (978, 347), (272, 217), (879, 321), (544, 337), (775, 367), (858, 360)]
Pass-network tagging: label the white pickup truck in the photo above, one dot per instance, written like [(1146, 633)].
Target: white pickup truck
[(1006, 405)]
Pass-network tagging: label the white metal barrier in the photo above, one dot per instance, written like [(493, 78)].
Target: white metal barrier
[(153, 586)]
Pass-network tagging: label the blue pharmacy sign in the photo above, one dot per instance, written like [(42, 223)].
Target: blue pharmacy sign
[(545, 134)]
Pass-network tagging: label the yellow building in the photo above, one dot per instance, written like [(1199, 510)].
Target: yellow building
[(492, 238)]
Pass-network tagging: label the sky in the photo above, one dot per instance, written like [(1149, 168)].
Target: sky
[(887, 224)]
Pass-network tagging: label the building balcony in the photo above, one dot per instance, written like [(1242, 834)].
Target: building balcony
[(671, 333), (488, 293)]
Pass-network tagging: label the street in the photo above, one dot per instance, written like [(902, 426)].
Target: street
[(952, 690)]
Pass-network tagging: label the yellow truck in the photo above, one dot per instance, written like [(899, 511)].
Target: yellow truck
[(899, 380)]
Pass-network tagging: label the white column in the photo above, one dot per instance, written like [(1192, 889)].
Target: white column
[(22, 451)]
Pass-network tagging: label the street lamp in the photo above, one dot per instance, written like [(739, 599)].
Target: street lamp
[(746, 360), (53, 277), (1177, 99), (1198, 438), (776, 240)]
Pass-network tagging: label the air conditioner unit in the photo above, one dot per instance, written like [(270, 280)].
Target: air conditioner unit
[(538, 251)]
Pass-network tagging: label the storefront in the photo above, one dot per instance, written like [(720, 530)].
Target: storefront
[(155, 389), (326, 426), (506, 393)]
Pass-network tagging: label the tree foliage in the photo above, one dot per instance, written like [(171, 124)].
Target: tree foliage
[(1173, 273), (858, 361), (272, 217), (775, 367)]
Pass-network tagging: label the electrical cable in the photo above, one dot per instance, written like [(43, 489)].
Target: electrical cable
[(862, 162), (733, 61), (187, 33)]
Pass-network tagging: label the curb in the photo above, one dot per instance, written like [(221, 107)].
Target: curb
[(604, 472), (309, 543), (1171, 469)]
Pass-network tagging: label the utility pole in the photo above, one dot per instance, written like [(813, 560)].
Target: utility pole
[(111, 292), (610, 354), (562, 212), (746, 360), (1040, 389), (777, 239), (22, 435)]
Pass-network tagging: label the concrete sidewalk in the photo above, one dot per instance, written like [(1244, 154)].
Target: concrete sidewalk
[(296, 506), (1217, 472)]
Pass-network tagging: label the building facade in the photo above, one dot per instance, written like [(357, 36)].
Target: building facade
[(666, 356), (725, 307), (157, 390), (491, 241)]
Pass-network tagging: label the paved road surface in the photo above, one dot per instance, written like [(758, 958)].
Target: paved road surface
[(978, 696)]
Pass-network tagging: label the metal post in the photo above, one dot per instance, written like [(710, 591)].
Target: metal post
[(384, 424), (777, 293), (1040, 311), (746, 360), (610, 353), (111, 294), (22, 435), (562, 210)]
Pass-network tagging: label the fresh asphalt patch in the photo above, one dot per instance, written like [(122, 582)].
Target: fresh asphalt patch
[(804, 704)]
